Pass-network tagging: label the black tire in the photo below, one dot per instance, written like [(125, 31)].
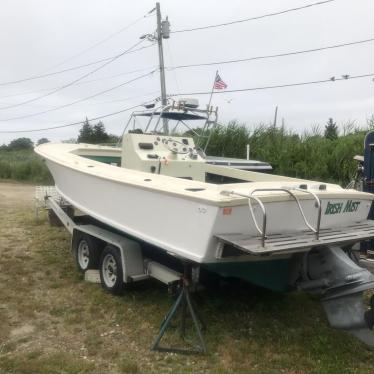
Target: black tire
[(111, 271), (86, 251)]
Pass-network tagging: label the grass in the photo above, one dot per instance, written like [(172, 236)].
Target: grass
[(37, 362), (23, 165), (309, 155), (51, 321)]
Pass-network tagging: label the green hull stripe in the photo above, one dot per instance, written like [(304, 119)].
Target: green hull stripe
[(269, 274)]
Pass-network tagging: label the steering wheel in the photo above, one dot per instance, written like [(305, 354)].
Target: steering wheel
[(176, 146)]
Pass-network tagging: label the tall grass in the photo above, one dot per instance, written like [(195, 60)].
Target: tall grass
[(309, 156), (23, 165)]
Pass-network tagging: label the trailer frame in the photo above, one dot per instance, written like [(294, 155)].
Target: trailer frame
[(135, 267)]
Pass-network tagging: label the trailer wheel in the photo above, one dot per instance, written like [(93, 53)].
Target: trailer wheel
[(111, 272), (86, 252)]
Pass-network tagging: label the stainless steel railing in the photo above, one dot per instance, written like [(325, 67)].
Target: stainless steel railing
[(262, 231)]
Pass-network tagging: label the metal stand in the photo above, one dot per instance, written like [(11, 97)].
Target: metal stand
[(184, 301)]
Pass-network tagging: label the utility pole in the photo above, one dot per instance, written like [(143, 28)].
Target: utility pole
[(163, 32)]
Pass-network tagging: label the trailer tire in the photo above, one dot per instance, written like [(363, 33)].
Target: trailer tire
[(111, 271), (86, 251)]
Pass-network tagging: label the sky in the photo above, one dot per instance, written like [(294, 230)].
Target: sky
[(43, 36)]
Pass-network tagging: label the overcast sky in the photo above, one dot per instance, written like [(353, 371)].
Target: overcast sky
[(38, 35)]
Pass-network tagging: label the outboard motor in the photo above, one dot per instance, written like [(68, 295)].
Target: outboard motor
[(331, 272)]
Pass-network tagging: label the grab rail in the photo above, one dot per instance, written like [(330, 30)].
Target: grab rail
[(262, 206), (315, 230), (262, 232), (319, 206)]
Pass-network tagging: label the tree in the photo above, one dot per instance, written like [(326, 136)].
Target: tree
[(85, 133), (331, 130), (42, 141), (21, 143), (92, 134), (99, 134), (113, 139)]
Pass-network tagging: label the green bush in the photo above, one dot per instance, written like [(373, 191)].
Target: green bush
[(23, 165), (309, 156)]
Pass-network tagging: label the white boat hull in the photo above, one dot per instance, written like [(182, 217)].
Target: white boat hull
[(182, 226)]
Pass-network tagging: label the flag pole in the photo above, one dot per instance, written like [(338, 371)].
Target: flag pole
[(206, 125), (211, 94)]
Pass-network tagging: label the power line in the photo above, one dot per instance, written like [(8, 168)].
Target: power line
[(254, 18), (274, 55), (209, 63), (333, 79), (127, 98), (172, 62), (74, 81), (102, 41), (80, 83), (330, 80), (152, 93), (200, 64), (76, 101), (70, 69), (70, 124)]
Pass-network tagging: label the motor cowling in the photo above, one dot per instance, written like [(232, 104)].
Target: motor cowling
[(331, 272)]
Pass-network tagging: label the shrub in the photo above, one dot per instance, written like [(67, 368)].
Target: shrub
[(23, 165)]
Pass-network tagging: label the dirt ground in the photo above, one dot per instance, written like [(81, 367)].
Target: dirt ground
[(51, 321), (16, 194)]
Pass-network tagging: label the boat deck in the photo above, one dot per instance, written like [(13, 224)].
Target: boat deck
[(296, 242), (74, 157)]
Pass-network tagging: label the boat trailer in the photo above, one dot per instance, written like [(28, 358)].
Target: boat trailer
[(326, 269), (132, 266)]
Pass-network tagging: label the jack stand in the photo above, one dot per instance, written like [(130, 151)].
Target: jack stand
[(183, 300)]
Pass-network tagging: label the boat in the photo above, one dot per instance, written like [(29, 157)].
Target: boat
[(276, 232)]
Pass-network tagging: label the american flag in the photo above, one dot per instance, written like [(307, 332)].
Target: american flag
[(219, 84)]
